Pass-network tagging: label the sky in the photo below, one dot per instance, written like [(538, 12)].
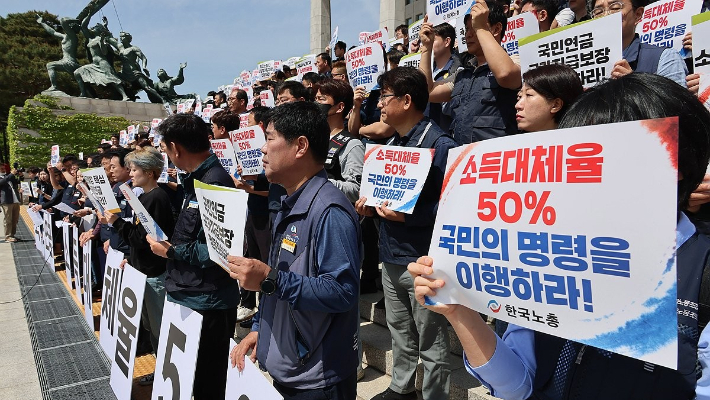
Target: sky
[(219, 38)]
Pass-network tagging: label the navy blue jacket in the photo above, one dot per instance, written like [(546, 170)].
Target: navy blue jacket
[(404, 242), (308, 329)]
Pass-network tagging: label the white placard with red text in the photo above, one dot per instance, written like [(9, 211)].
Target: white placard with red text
[(267, 98), (54, 159), (534, 230), (247, 144), (664, 23), (223, 149), (364, 65), (701, 54), (381, 36), (520, 26), (591, 48), (394, 174), (306, 64), (266, 69)]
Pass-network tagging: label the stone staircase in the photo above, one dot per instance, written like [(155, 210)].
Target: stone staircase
[(378, 360)]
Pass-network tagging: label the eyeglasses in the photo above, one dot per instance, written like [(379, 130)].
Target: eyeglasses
[(613, 8), (383, 97)]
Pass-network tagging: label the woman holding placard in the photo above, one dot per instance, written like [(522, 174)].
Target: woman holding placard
[(146, 165), (547, 93)]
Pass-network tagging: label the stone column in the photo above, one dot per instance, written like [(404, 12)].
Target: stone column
[(391, 15), (320, 25)]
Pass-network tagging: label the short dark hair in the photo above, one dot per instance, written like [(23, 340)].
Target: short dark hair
[(326, 57), (555, 81), (261, 115), (229, 121), (121, 153), (187, 130), (241, 95), (496, 14), (70, 158), (406, 80), (340, 45), (104, 146), (222, 95), (115, 135), (551, 6), (445, 30), (280, 74), (640, 96), (295, 88), (312, 77), (340, 91), (402, 28), (303, 118), (394, 56)]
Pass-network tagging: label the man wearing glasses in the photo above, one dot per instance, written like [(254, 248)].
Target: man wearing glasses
[(637, 56), (237, 101)]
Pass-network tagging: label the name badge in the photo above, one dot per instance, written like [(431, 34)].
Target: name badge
[(193, 204), (288, 245)]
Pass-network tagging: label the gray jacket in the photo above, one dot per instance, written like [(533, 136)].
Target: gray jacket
[(8, 187)]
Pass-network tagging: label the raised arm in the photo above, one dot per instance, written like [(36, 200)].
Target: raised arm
[(506, 72), (439, 92), (180, 78), (49, 29)]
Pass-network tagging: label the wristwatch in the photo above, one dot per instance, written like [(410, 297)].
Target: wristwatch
[(270, 284)]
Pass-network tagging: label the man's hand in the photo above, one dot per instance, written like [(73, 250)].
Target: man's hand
[(388, 214), (688, 41), (362, 209), (172, 172), (248, 271), (82, 213), (123, 264), (479, 15), (693, 82), (236, 356), (359, 97), (700, 195), (621, 68), (426, 287), (426, 36), (36, 207), (85, 237), (106, 246), (158, 248)]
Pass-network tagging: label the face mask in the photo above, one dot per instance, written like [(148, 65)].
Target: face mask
[(325, 109)]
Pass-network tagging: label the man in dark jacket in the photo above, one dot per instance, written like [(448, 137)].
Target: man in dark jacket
[(193, 280), (10, 202)]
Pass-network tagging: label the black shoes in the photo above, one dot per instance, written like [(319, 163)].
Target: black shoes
[(390, 394)]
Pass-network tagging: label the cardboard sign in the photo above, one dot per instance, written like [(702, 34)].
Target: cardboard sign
[(149, 224), (664, 23), (154, 124), (590, 48), (267, 98), (100, 186), (306, 64), (414, 29), (177, 353), (381, 37), (291, 62), (223, 149), (123, 138), (701, 55), (411, 60), (224, 226), (128, 318), (131, 131), (364, 65), (86, 251), (362, 37), (248, 384), (243, 120), (394, 174), (266, 69), (440, 11), (520, 26), (110, 297), (54, 159), (247, 144), (529, 230)]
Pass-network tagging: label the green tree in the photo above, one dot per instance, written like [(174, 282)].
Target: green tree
[(25, 50)]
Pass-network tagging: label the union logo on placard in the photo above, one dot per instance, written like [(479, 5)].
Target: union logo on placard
[(494, 306)]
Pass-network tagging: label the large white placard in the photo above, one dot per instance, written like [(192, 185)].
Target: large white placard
[(76, 264), (247, 144), (520, 26), (177, 353), (440, 11), (109, 301), (364, 65), (224, 150), (100, 187), (128, 318), (414, 29), (88, 300), (701, 54), (250, 384), (223, 225), (151, 227), (664, 23), (66, 247), (590, 48), (529, 229), (306, 64), (394, 174), (54, 159), (411, 60), (266, 69)]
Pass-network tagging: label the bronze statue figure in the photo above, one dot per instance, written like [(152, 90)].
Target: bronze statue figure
[(68, 63), (166, 85), (131, 70)]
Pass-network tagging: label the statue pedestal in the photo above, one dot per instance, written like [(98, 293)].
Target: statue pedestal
[(132, 111)]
